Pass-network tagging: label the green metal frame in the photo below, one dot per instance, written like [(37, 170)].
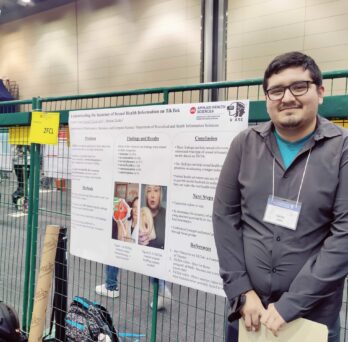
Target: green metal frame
[(334, 106), (32, 225)]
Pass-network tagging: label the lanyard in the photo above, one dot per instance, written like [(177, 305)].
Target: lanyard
[(303, 175)]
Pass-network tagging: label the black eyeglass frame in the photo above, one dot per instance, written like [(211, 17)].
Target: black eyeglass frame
[(289, 87)]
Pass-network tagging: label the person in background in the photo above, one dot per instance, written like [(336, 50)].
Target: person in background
[(280, 212), (110, 287), (153, 198)]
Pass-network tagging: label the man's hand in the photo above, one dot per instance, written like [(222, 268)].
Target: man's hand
[(272, 319), (252, 311)]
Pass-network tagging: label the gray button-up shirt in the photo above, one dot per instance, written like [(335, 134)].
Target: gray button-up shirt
[(302, 271)]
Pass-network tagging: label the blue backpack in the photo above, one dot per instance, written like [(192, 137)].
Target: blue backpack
[(88, 321)]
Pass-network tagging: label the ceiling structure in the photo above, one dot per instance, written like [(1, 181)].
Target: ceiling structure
[(17, 9)]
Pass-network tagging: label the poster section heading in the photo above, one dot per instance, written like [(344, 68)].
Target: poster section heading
[(143, 185)]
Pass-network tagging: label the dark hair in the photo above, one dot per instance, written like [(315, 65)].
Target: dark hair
[(290, 60), (131, 205)]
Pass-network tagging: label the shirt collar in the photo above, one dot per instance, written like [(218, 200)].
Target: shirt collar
[(324, 129)]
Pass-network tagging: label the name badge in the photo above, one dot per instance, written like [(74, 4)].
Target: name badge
[(282, 212)]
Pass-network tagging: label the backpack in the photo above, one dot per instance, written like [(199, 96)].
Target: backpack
[(9, 324), (88, 321)]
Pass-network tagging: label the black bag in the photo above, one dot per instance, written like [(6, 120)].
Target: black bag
[(86, 321), (9, 324)]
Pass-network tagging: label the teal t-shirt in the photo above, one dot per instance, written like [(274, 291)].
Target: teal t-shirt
[(289, 150)]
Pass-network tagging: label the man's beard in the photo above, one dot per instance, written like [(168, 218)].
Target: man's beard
[(290, 122)]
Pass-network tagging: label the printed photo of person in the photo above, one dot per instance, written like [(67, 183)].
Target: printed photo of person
[(125, 212), (153, 216)]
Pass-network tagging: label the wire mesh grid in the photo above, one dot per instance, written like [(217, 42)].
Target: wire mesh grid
[(15, 107)]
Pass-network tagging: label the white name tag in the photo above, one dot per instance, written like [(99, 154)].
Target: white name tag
[(282, 212)]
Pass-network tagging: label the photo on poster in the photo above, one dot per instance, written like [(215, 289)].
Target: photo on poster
[(152, 225), (125, 212)]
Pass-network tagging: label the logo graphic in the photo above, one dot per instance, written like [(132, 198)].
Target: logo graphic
[(193, 110), (236, 109)]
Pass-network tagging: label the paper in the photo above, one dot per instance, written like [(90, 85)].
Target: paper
[(44, 128), (282, 212), (299, 330)]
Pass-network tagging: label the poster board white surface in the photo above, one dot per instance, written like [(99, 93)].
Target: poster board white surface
[(56, 158), (299, 330), (180, 149)]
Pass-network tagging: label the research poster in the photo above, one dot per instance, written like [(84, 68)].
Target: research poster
[(143, 184)]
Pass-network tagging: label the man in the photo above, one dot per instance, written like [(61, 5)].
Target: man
[(281, 207)]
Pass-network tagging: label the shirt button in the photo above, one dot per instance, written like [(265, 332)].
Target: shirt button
[(278, 238), (274, 270)]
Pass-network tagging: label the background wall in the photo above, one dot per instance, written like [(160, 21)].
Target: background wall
[(258, 30), (95, 46)]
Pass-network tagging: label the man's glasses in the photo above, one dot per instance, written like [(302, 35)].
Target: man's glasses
[(296, 89)]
